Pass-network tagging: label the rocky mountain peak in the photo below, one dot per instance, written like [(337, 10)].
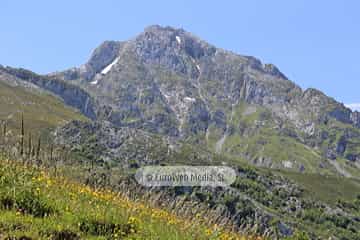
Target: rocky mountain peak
[(157, 29), (104, 54), (174, 49), (167, 34)]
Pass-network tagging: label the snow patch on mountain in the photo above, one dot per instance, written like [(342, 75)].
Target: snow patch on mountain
[(108, 67), (94, 82)]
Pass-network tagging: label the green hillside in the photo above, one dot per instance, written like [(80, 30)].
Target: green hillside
[(35, 205), (41, 111)]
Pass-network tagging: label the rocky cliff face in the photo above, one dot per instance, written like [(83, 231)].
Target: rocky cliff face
[(100, 58), (355, 118)]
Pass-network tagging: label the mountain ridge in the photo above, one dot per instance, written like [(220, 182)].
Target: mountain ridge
[(169, 82)]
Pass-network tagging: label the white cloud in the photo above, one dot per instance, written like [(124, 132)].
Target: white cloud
[(353, 106)]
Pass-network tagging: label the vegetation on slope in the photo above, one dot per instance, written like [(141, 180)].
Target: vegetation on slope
[(34, 205), (41, 111), (260, 199)]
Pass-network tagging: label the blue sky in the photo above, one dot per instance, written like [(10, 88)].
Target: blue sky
[(315, 43)]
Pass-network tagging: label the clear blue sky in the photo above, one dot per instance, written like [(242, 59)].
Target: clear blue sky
[(315, 43)]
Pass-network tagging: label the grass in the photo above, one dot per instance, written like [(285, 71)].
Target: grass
[(254, 136), (41, 111), (36, 205), (264, 141), (327, 188)]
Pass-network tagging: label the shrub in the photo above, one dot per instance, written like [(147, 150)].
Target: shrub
[(98, 228), (26, 202), (6, 202)]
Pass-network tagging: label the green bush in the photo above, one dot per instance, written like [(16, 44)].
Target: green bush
[(27, 202), (98, 228)]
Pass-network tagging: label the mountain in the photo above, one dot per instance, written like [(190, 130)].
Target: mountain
[(167, 97), (167, 81)]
